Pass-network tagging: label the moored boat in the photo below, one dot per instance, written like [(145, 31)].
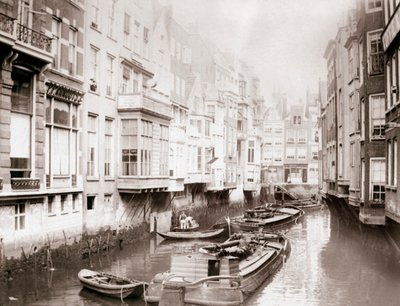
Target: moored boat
[(267, 217), (306, 204), (111, 285), (206, 234), (220, 274)]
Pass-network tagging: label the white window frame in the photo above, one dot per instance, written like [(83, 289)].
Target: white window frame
[(95, 66), (110, 75), (371, 170), (372, 36), (382, 119), (375, 9)]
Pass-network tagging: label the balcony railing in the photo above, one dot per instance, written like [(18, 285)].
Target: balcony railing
[(33, 38), (6, 24), (25, 184), (143, 102)]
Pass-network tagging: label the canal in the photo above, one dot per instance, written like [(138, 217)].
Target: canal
[(332, 262)]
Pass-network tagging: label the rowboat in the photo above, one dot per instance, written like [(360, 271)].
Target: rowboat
[(306, 204), (267, 217), (111, 285), (219, 274), (206, 234)]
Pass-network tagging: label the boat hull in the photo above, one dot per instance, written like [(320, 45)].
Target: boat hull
[(192, 234), (135, 289), (240, 224), (225, 292)]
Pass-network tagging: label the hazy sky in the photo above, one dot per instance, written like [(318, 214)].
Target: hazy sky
[(283, 40)]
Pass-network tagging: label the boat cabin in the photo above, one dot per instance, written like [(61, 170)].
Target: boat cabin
[(195, 266)]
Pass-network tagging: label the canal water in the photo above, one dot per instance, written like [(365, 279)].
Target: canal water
[(332, 262)]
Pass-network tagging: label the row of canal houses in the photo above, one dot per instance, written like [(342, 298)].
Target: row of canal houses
[(358, 152), (112, 113)]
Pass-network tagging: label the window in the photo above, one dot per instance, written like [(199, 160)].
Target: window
[(146, 150), (145, 42), (199, 159), (290, 153), (362, 119), (374, 5), (377, 173), (207, 128), (129, 146), (352, 154), (95, 14), (64, 202), (290, 136), (72, 60), (389, 102), (360, 61), (301, 154), (301, 136), (110, 76), (250, 155), (108, 147), (61, 139), (94, 68), (111, 20), (242, 88), (172, 44), (393, 87), (392, 162), (136, 81), (377, 123), (136, 36), (296, 120), (20, 212), (125, 83), (92, 147), (75, 199), (20, 124), (127, 30), (50, 205), (56, 30), (375, 53), (90, 201), (24, 16), (164, 150)]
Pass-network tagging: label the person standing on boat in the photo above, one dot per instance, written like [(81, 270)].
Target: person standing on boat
[(182, 220)]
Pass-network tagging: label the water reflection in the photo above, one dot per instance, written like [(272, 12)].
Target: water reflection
[(332, 262)]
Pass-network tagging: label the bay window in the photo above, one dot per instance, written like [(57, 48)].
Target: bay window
[(129, 146)]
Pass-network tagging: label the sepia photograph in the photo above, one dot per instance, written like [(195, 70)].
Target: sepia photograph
[(199, 152)]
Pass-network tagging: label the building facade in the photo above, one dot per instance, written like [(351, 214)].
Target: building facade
[(391, 45), (354, 115), (113, 114), (41, 97)]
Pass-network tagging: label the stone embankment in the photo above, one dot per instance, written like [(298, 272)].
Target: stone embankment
[(47, 257)]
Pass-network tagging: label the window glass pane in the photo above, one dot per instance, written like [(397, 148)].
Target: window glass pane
[(60, 158), (21, 91), (61, 113), (20, 138)]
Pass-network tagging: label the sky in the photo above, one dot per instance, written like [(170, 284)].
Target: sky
[(282, 40)]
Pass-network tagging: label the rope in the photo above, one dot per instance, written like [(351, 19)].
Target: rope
[(122, 299)]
